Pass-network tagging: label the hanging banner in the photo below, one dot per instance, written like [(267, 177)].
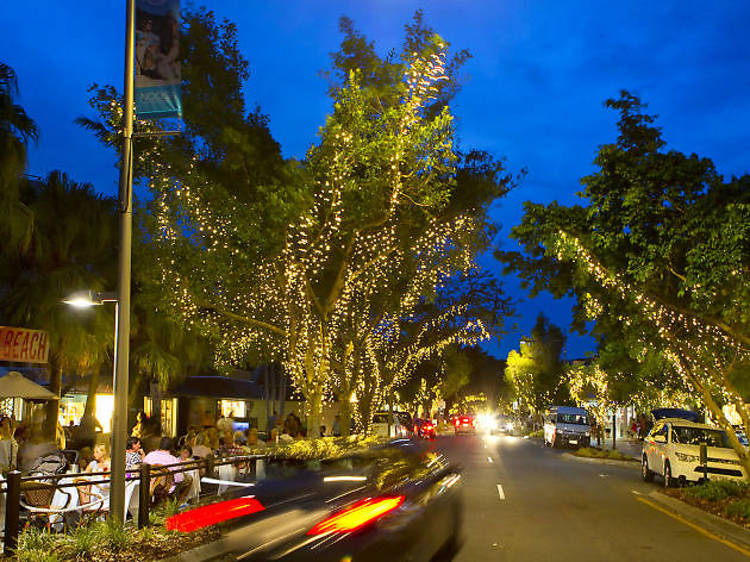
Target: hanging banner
[(157, 59), (23, 346)]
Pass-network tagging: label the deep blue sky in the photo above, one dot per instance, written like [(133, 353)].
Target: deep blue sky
[(535, 85)]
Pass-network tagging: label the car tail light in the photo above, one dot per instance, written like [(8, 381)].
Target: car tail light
[(211, 514), (458, 421), (357, 516)]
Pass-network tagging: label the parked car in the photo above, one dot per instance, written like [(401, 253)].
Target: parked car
[(672, 450), (381, 422), (397, 502), (464, 424), (407, 422), (565, 426), (424, 428), (741, 435)]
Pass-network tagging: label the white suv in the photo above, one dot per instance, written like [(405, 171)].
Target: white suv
[(672, 449)]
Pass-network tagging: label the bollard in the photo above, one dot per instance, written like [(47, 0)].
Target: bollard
[(144, 495), (12, 510), (703, 452)]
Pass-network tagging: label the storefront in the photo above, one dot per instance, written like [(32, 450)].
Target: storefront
[(73, 404)]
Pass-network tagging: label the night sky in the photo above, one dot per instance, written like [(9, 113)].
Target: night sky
[(533, 93)]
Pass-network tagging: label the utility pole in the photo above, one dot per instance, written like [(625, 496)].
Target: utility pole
[(122, 332)]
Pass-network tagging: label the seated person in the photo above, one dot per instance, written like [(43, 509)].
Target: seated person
[(163, 456)]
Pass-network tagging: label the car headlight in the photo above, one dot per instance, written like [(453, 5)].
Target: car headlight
[(686, 458)]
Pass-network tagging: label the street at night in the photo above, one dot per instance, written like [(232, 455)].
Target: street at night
[(362, 281), (555, 507)]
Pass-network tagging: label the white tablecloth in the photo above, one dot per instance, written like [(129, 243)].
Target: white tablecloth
[(226, 472), (60, 499)]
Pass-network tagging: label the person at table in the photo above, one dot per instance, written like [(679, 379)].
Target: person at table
[(102, 461), (201, 449), (253, 442), (8, 446), (134, 453), (163, 456)]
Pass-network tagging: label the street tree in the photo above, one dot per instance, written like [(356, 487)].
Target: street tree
[(72, 247), (17, 129), (659, 255), (269, 265), (536, 371)]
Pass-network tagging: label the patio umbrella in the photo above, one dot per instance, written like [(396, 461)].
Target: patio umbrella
[(15, 385)]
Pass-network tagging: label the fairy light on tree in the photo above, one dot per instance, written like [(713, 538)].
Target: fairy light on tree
[(345, 246)]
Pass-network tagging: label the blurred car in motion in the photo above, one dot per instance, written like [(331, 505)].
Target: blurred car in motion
[(391, 425), (424, 428), (464, 424), (397, 502)]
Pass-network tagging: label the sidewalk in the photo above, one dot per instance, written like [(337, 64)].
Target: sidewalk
[(629, 447)]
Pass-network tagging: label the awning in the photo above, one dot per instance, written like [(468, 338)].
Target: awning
[(219, 387), (15, 385)]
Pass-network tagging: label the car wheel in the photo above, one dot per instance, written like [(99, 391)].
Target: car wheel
[(668, 482), (646, 474)]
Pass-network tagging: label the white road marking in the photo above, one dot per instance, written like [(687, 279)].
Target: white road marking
[(603, 475), (500, 491), (636, 492), (489, 459)]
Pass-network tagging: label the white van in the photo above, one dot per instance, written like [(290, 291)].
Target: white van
[(565, 425), (380, 424)]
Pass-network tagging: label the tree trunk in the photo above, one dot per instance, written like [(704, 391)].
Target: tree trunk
[(53, 406), (91, 396), (315, 410), (345, 411), (282, 391), (266, 392)]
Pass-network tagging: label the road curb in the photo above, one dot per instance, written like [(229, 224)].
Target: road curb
[(207, 551), (611, 462), (713, 523)]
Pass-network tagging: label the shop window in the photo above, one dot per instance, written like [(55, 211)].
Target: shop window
[(233, 408)]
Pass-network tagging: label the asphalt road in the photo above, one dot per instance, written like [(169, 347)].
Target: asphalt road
[(523, 502)]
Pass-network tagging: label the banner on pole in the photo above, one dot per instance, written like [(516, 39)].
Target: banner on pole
[(157, 59), (23, 346)]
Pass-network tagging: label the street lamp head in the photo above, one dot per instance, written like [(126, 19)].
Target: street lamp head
[(86, 299)]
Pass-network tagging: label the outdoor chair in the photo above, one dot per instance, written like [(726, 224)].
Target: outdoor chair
[(37, 498), (90, 503), (161, 483)]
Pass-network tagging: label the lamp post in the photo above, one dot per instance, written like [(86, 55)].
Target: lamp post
[(87, 299), (122, 325), (122, 319)]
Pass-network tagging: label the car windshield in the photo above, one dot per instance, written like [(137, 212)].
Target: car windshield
[(404, 418), (698, 435), (576, 419)]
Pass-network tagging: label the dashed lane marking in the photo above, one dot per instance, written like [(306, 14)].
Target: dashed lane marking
[(500, 491), (489, 459)]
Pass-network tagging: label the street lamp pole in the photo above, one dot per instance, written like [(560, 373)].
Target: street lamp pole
[(122, 320)]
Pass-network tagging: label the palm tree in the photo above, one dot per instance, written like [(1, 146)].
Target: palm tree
[(17, 129), (72, 247)]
